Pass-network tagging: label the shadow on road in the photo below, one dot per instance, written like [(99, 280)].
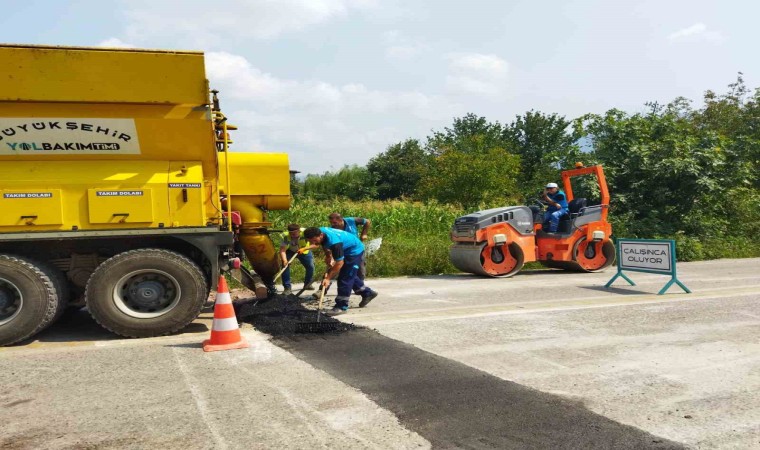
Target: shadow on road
[(198, 345), (469, 276), (74, 326), (617, 290), (79, 326)]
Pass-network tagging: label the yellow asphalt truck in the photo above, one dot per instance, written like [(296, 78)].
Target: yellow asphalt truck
[(118, 192)]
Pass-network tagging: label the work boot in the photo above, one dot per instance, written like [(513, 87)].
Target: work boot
[(287, 291), (336, 311), (309, 287), (367, 296)]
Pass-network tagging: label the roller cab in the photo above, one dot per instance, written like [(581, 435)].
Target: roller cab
[(583, 240)]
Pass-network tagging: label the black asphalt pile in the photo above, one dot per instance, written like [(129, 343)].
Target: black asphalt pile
[(281, 315)]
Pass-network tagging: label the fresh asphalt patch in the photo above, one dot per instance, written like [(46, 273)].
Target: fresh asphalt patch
[(450, 404), (281, 315)]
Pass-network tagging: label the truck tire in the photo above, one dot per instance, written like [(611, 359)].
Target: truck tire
[(146, 292), (61, 286), (28, 299)]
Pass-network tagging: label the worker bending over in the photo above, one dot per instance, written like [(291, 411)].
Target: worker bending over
[(351, 225), (343, 255)]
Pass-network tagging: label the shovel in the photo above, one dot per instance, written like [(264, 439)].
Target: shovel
[(318, 327), (283, 269), (298, 294)]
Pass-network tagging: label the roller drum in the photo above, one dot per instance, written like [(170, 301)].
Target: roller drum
[(480, 259)]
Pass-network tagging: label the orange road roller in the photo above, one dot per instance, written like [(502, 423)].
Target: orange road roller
[(497, 242)]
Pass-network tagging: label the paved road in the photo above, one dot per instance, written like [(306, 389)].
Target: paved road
[(566, 362)]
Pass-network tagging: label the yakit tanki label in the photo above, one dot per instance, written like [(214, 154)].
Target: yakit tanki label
[(62, 136)]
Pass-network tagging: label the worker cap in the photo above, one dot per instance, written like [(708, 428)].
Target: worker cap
[(551, 185)]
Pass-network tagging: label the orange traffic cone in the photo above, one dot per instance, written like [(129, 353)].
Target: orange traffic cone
[(225, 333)]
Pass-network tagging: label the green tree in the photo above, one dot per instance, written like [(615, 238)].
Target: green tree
[(662, 171), (545, 146), (470, 165), (296, 185), (398, 170), (468, 134), (483, 179), (351, 182), (735, 118)]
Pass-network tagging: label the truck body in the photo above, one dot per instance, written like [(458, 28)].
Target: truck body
[(116, 185)]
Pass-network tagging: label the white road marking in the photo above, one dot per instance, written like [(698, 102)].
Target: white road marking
[(297, 404), (308, 421), (309, 414), (466, 312), (200, 402)]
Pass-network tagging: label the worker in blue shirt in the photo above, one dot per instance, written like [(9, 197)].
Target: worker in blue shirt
[(343, 255), (557, 206), (351, 225)]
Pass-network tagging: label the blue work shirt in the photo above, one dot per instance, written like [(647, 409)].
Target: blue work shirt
[(350, 225), (340, 242), (560, 198)]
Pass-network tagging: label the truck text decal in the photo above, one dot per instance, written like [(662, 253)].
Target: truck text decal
[(68, 136), (119, 193), (28, 195)]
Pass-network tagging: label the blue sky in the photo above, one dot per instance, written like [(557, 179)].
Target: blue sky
[(334, 82)]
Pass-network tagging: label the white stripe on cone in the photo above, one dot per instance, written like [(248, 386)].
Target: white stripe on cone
[(223, 298), (225, 324)]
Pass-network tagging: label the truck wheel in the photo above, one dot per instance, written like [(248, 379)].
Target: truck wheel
[(61, 286), (146, 292), (28, 299)]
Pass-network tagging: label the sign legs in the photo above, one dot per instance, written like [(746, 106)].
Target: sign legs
[(670, 283), (620, 274)]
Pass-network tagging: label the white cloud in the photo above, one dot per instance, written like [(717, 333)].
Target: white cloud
[(696, 33), (115, 43), (403, 52), (400, 47), (203, 25), (475, 73), (244, 81), (318, 123)]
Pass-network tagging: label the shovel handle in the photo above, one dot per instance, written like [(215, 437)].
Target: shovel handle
[(321, 297), (276, 277)]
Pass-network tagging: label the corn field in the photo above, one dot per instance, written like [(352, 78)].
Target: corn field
[(415, 235)]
